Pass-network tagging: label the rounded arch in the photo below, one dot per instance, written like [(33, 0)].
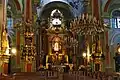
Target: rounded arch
[(13, 7), (65, 9), (113, 7), (114, 37), (17, 4), (114, 14), (107, 5), (116, 9)]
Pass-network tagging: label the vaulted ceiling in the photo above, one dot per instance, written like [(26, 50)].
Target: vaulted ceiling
[(115, 4), (13, 7), (63, 7), (107, 6)]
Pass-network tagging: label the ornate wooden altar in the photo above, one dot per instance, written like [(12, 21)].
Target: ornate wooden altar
[(56, 40)]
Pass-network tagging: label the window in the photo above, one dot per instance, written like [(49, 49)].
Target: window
[(10, 29), (115, 21), (118, 22), (9, 22)]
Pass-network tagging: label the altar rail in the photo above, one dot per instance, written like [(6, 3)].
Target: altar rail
[(55, 75)]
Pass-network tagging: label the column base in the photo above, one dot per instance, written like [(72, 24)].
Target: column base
[(108, 70)]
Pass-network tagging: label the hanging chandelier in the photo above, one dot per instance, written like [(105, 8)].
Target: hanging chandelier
[(86, 25)]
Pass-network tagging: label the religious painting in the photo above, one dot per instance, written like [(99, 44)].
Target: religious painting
[(56, 44)]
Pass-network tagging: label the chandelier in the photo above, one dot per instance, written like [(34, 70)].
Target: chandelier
[(86, 25)]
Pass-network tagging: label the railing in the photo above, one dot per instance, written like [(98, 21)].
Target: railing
[(41, 75), (74, 75), (55, 75)]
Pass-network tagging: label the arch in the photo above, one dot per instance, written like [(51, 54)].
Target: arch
[(13, 6), (17, 4), (113, 16), (107, 5), (65, 9), (114, 11), (115, 33), (113, 37), (110, 5), (113, 7)]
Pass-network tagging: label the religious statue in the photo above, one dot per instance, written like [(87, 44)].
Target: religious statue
[(5, 42)]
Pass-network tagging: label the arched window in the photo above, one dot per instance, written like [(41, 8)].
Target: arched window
[(115, 21), (9, 22), (9, 19), (10, 29)]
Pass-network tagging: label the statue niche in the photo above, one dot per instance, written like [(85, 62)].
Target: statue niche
[(56, 52)]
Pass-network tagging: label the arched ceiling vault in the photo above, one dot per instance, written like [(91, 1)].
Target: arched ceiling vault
[(107, 5), (14, 7), (63, 7), (17, 4), (114, 7), (111, 5)]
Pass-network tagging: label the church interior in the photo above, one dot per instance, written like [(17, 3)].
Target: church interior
[(59, 39)]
